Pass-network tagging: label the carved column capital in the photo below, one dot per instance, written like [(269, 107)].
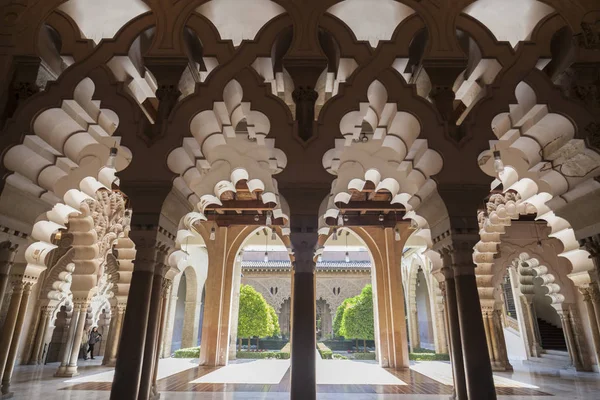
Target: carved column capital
[(586, 293)]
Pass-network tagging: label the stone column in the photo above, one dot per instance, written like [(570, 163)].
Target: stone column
[(456, 356), (152, 332), (128, 367), (80, 309), (14, 344), (499, 341), (111, 334), (595, 297), (170, 321), (589, 305), (495, 340), (7, 256), (167, 284), (478, 369), (218, 297), (110, 355), (485, 313), (303, 337), (415, 340), (536, 347), (235, 310), (68, 345), (570, 339), (40, 339), (10, 322)]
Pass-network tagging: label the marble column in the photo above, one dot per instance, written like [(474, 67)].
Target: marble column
[(235, 310), (478, 369), (40, 338), (10, 322), (456, 356), (128, 368), (67, 346), (303, 375), (595, 298), (7, 256), (14, 344), (499, 341), (169, 323), (589, 305), (110, 354), (570, 339), (167, 283), (495, 340), (303, 385), (531, 323), (152, 332), (80, 308), (111, 334)]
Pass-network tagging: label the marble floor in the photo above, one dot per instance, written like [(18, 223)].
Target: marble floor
[(183, 379)]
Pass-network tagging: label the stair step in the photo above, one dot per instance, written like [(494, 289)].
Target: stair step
[(556, 357), (550, 363), (558, 353)]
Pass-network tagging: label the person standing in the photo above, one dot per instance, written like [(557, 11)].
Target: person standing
[(95, 337)]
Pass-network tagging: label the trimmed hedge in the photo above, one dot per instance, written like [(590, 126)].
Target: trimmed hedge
[(428, 357), (262, 355), (326, 353), (420, 350), (339, 357), (287, 349), (284, 354), (190, 352), (364, 356)]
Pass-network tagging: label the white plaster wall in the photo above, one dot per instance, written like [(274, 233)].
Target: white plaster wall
[(514, 345)]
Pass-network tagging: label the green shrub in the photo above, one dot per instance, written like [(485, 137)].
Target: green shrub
[(326, 353), (420, 350), (428, 357), (364, 356), (190, 352), (285, 351), (339, 357), (262, 355)]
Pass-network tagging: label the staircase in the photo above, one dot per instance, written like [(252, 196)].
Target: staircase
[(552, 337)]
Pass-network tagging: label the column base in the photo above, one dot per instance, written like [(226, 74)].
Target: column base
[(109, 363), (499, 367), (66, 372)]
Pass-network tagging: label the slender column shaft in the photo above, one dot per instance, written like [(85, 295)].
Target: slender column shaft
[(164, 317), (14, 345), (68, 345), (498, 341), (81, 309), (3, 285), (458, 368), (111, 335), (7, 255), (235, 311), (488, 335), (304, 342), (39, 338), (10, 323), (478, 369), (572, 347), (593, 323), (128, 368), (151, 336), (111, 357), (161, 332)]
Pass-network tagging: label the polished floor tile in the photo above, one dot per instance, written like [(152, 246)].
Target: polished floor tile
[(184, 379)]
